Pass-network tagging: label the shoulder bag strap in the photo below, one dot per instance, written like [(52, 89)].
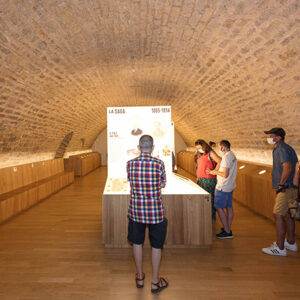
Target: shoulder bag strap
[(213, 162)]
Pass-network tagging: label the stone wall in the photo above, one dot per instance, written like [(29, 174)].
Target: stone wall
[(229, 69)]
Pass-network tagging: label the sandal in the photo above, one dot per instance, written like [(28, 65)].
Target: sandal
[(139, 286), (162, 284)]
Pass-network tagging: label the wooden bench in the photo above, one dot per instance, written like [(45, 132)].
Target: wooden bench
[(24, 185), (83, 163)]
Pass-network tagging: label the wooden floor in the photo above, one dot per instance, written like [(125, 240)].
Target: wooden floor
[(54, 251)]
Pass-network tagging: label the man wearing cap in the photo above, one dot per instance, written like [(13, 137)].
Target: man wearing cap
[(284, 162)]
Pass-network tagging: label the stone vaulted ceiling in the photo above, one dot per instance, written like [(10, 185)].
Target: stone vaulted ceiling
[(229, 69)]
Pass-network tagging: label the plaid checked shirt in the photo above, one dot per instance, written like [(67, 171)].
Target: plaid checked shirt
[(146, 174)]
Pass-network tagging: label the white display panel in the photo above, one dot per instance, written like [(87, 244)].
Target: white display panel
[(125, 126)]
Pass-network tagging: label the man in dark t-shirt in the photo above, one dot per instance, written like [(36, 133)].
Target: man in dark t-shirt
[(284, 162)]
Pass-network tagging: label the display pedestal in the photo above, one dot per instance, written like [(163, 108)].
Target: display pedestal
[(188, 214)]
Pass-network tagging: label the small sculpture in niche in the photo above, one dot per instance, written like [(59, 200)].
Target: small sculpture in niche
[(136, 131)]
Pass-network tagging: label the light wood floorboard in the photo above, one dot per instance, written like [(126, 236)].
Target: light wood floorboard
[(54, 251)]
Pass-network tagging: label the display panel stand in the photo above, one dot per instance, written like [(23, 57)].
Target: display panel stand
[(187, 206), (188, 214)]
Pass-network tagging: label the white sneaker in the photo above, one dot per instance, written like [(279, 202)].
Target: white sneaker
[(274, 250), (292, 247)]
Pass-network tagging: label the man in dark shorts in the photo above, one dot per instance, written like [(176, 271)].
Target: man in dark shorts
[(147, 176)]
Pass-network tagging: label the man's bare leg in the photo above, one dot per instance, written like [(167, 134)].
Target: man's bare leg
[(290, 228), (156, 258), (223, 218), (138, 258), (280, 230), (229, 217)]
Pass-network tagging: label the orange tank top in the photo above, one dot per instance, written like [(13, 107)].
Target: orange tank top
[(204, 162)]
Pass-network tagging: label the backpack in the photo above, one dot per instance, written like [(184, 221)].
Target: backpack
[(294, 206)]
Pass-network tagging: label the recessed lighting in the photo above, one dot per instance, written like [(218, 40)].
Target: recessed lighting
[(242, 167), (262, 172)]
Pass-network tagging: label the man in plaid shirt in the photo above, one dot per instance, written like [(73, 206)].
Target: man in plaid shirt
[(147, 176)]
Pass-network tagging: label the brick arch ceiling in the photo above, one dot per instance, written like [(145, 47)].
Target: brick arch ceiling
[(229, 69)]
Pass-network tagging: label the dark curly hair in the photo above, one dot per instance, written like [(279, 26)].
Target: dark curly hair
[(206, 148)]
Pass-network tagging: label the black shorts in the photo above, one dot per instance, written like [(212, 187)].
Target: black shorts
[(157, 233)]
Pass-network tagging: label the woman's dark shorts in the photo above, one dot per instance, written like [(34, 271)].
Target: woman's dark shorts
[(157, 233)]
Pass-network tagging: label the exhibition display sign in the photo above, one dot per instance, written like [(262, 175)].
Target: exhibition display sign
[(125, 126)]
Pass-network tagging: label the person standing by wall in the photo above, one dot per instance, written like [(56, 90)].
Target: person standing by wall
[(208, 160), (147, 176), (284, 162), (226, 176)]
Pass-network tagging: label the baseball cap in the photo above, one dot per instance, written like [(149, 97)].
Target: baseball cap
[(277, 131)]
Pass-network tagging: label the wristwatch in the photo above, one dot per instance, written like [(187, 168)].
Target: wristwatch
[(281, 187)]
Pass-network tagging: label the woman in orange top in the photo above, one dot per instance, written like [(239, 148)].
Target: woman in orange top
[(208, 160)]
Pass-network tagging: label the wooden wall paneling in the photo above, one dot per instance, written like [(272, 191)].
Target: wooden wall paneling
[(4, 183), (6, 180), (186, 174), (69, 164), (241, 193), (24, 175), (82, 164), (255, 190), (186, 162), (6, 209), (44, 190), (263, 199), (191, 163), (78, 168), (56, 166), (12, 178), (184, 159), (31, 198), (179, 159), (17, 202)]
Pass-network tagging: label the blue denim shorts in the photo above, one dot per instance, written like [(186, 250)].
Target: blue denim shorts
[(223, 199)]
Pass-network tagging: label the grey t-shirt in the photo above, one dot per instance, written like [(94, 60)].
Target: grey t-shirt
[(227, 184), (283, 153)]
